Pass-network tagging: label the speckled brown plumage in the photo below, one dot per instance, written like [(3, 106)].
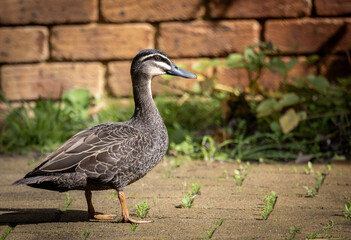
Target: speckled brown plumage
[(112, 155)]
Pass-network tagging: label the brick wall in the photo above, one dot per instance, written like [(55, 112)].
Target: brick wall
[(48, 46)]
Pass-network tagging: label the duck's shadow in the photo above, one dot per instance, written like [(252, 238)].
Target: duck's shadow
[(34, 215)]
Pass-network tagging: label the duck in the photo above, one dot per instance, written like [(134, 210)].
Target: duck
[(116, 154)]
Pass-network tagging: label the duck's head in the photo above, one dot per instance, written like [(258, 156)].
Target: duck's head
[(153, 62)]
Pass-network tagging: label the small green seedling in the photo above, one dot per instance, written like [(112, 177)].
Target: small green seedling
[(142, 211), (347, 212), (68, 202), (113, 195), (8, 231), (329, 167), (86, 234), (224, 175), (155, 200), (315, 235), (209, 234), (240, 174), (188, 199), (309, 168), (270, 201), (312, 192), (292, 232)]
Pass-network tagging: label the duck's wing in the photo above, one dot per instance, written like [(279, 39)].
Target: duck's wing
[(91, 143)]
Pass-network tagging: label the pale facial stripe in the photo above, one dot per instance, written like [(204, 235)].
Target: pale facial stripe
[(155, 54)]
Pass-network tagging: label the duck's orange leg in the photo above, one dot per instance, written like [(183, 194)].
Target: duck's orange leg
[(125, 213), (91, 209)]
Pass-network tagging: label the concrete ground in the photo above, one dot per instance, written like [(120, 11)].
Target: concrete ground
[(38, 214)]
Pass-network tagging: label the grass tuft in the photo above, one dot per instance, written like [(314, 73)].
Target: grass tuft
[(312, 192), (316, 235)]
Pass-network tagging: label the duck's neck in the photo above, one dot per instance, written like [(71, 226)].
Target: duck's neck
[(145, 107)]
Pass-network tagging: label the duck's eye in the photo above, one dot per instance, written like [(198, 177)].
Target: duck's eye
[(157, 58)]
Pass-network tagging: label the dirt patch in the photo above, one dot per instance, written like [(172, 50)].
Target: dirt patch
[(36, 214)]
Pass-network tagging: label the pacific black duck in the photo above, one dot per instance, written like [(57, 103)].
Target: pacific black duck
[(113, 155)]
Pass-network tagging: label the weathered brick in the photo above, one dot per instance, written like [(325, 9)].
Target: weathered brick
[(48, 11), (23, 44), (309, 35), (120, 85), (259, 9), (238, 78), (150, 11), (332, 8), (196, 39), (49, 80), (100, 42)]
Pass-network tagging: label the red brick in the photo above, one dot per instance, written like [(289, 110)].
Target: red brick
[(332, 7), (48, 11), (49, 80), (120, 85), (102, 42), (196, 39), (309, 35), (23, 44), (150, 11), (238, 78), (259, 9)]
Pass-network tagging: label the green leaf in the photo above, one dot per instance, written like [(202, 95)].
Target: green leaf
[(319, 83), (291, 119), (234, 60), (288, 99), (266, 107)]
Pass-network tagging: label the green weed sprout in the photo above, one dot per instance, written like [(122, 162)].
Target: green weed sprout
[(315, 235), (269, 204), (68, 202), (347, 212), (8, 231), (292, 232), (312, 192), (142, 211), (240, 174), (309, 168), (188, 199), (86, 234), (209, 234)]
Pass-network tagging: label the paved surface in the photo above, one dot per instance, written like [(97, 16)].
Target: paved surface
[(36, 214)]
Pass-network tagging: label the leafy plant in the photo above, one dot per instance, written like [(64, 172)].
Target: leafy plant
[(240, 174), (188, 199), (270, 201), (292, 232), (46, 125), (312, 192), (315, 235), (210, 233), (142, 210)]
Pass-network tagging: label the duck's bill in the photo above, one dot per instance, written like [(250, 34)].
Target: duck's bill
[(176, 71)]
